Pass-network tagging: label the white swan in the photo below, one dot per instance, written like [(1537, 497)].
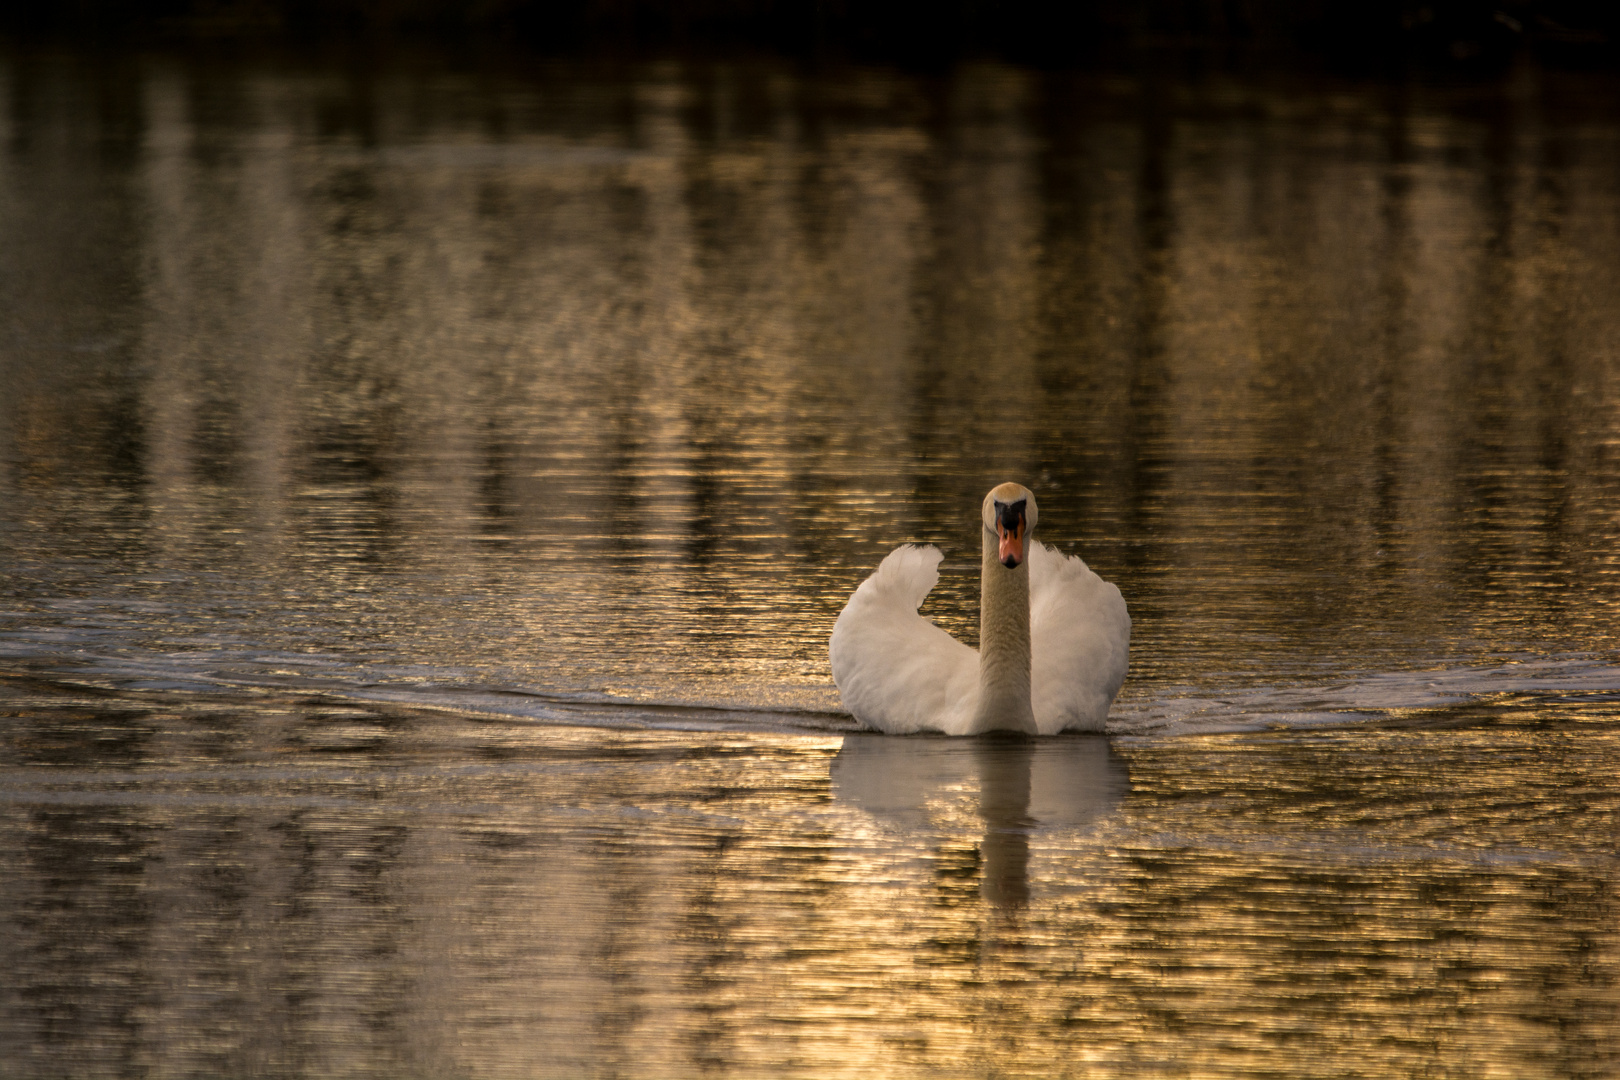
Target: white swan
[(1055, 639)]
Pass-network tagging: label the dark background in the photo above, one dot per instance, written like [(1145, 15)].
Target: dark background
[(1372, 37)]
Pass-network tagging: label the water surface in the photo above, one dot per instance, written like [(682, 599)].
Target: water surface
[(277, 887), (425, 497)]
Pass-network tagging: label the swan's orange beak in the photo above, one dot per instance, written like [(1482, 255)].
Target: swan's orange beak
[(1011, 550), (1010, 531)]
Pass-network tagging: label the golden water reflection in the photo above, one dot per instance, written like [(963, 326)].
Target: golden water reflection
[(305, 889), (488, 392), (618, 381)]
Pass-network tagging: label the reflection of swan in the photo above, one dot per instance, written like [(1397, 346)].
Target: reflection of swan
[(1055, 639), (1023, 787), (1067, 783)]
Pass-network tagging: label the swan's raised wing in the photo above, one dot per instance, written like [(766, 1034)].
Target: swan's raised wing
[(1080, 642), (896, 670)]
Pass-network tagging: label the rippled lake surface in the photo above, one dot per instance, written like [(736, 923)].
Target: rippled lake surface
[(425, 497)]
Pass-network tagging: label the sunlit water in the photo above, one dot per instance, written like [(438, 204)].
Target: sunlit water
[(426, 498)]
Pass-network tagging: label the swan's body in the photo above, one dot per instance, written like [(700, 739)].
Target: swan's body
[(1055, 639)]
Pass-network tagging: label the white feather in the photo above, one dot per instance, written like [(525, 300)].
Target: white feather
[(1080, 642), (898, 672)]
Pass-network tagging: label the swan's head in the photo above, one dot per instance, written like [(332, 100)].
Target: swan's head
[(1009, 513)]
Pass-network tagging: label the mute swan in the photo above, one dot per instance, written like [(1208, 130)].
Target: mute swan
[(1055, 639)]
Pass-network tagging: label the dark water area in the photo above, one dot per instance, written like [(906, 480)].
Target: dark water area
[(426, 494)]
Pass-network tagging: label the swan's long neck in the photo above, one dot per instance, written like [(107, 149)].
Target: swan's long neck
[(1003, 644)]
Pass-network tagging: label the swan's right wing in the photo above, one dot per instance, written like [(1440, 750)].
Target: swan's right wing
[(896, 670), (1080, 634)]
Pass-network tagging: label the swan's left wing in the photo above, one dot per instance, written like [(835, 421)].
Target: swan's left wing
[(1080, 642), (896, 670)]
